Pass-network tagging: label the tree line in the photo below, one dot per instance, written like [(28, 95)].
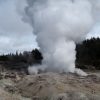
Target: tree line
[(21, 60), (87, 56)]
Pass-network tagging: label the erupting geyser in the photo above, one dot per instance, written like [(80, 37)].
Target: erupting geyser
[(59, 25)]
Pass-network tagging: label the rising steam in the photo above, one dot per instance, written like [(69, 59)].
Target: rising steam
[(59, 25)]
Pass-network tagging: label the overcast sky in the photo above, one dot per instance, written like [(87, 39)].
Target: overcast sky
[(15, 35)]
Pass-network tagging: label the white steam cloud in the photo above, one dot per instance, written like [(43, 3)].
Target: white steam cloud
[(59, 25)]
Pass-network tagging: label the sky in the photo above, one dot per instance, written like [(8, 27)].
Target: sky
[(15, 35)]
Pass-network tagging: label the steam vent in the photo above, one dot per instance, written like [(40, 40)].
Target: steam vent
[(49, 49)]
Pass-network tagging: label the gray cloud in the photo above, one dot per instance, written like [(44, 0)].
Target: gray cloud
[(14, 34), (95, 32)]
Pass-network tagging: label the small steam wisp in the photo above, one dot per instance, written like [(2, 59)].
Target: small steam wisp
[(59, 25)]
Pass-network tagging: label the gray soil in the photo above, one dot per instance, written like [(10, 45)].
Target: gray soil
[(49, 86)]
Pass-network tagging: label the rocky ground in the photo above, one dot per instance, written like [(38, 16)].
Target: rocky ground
[(49, 86)]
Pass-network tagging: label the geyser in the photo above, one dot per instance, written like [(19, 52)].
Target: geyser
[(59, 25)]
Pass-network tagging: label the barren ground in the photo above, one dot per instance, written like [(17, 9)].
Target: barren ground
[(49, 86)]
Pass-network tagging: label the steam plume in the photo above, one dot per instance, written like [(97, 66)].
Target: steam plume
[(59, 25)]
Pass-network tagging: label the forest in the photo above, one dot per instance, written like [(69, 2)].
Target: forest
[(87, 56), (20, 61)]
